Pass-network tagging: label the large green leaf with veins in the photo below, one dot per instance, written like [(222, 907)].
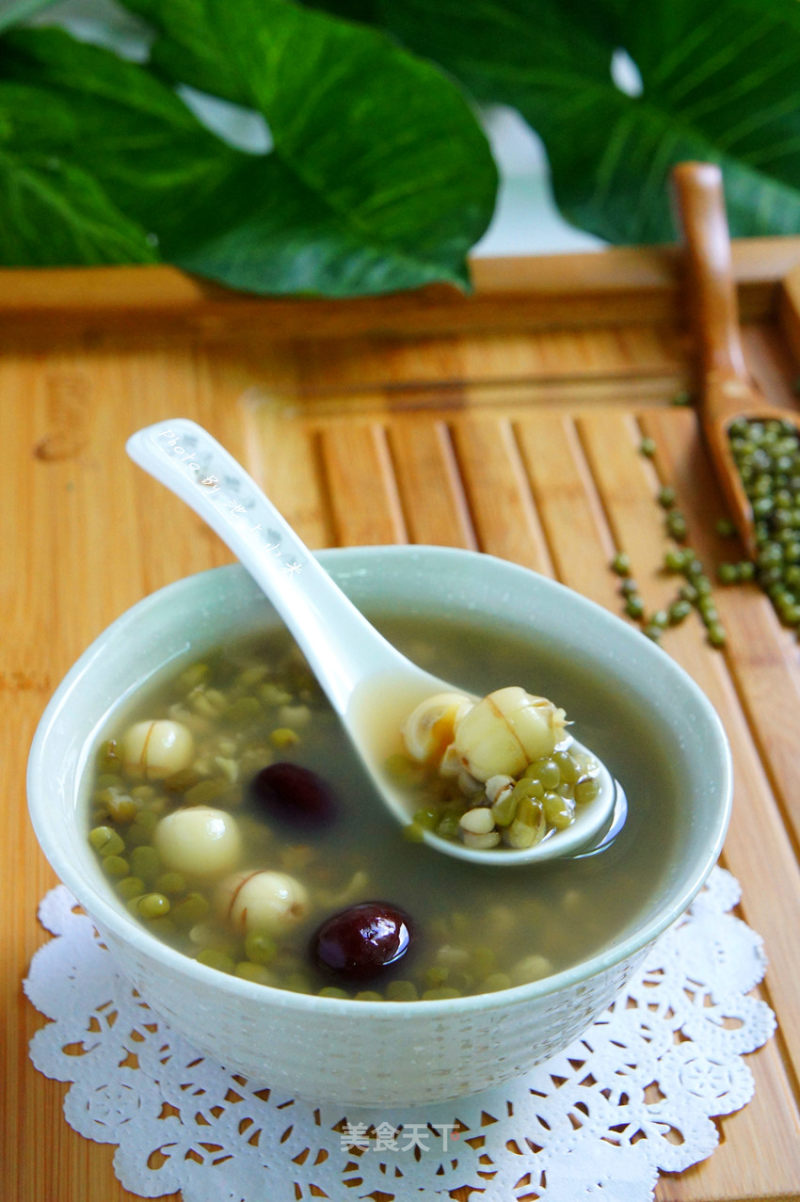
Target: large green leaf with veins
[(380, 149), (378, 177), (53, 211), (115, 122), (719, 81)]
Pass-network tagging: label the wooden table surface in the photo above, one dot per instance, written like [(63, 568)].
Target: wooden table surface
[(508, 421)]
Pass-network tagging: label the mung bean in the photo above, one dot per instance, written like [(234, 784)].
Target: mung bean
[(106, 841)]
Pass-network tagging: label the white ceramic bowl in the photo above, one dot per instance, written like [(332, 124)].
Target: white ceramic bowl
[(361, 1052)]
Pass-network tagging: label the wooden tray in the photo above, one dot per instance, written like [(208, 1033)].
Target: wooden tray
[(509, 421)]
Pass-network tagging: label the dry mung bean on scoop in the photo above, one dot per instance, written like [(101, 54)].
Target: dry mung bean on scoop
[(767, 455)]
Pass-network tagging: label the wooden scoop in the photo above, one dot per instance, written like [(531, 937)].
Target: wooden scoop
[(728, 391)]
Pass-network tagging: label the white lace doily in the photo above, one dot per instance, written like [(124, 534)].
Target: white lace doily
[(636, 1094)]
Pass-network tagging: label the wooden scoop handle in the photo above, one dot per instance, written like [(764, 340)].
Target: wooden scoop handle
[(727, 390), (704, 226)]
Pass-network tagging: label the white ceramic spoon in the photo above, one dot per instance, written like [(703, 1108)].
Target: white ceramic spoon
[(358, 669)]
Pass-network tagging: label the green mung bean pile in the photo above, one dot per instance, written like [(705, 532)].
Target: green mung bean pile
[(767, 454)]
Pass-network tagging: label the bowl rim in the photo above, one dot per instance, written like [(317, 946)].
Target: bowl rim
[(126, 928)]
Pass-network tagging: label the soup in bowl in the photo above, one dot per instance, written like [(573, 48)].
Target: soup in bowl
[(312, 944)]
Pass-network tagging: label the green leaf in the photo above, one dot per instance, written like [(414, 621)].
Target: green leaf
[(293, 245), (188, 50), (22, 10), (719, 82), (118, 123), (354, 10), (368, 188), (52, 212), (507, 51), (376, 152)]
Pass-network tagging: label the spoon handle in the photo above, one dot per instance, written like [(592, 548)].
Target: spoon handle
[(336, 638)]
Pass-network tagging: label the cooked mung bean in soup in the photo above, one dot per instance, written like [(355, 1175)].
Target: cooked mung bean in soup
[(233, 819)]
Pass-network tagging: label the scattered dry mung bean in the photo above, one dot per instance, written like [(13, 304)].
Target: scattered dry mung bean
[(694, 593), (634, 606), (716, 634), (674, 559), (678, 610), (676, 525)]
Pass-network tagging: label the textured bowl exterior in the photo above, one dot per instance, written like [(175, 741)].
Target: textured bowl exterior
[(371, 1053), (384, 1058)]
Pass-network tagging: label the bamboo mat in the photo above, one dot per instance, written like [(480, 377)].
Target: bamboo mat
[(509, 421)]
